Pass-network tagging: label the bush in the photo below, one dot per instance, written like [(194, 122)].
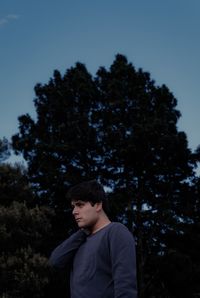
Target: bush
[(23, 275)]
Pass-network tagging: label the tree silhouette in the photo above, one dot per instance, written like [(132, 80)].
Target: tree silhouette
[(120, 128)]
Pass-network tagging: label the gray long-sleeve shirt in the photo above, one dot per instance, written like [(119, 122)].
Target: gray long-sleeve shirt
[(104, 263)]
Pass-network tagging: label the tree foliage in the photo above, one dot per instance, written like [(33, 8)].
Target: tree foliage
[(23, 274), (22, 227), (61, 142), (4, 149), (14, 185), (120, 128), (25, 237)]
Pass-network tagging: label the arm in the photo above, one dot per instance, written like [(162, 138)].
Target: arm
[(123, 260), (63, 254)]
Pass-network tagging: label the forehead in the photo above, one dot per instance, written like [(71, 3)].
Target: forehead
[(77, 202)]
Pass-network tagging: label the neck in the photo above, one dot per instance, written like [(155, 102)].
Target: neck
[(103, 222)]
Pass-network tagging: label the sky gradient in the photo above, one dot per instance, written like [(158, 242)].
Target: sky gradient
[(37, 37)]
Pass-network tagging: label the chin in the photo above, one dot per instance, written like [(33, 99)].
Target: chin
[(81, 225)]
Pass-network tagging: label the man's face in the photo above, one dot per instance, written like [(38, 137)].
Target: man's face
[(85, 214)]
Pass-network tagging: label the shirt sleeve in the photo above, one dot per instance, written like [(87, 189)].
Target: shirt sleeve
[(123, 260), (63, 254)]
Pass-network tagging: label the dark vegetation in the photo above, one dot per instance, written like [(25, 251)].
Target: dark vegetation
[(121, 129)]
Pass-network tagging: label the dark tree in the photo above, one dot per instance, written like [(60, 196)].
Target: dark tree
[(121, 128), (26, 236), (60, 147), (14, 185), (145, 157), (24, 233)]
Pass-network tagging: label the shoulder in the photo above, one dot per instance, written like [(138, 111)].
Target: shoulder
[(119, 231), (121, 241), (117, 226)]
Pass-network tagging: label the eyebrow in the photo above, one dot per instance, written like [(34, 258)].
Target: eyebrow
[(77, 202)]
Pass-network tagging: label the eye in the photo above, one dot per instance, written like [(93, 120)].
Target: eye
[(80, 204)]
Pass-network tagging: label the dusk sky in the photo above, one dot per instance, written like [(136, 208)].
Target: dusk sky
[(37, 37)]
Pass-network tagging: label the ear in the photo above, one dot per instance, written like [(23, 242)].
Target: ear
[(98, 206)]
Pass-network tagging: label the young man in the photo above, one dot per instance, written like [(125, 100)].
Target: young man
[(101, 254)]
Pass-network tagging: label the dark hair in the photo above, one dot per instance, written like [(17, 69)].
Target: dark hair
[(88, 191)]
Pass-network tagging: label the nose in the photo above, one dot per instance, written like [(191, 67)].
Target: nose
[(74, 211)]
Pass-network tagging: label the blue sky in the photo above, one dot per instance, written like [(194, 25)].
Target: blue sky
[(36, 37)]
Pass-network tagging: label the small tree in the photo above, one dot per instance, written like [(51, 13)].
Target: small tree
[(25, 243)]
